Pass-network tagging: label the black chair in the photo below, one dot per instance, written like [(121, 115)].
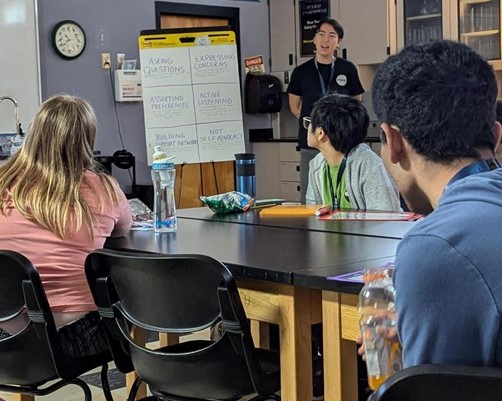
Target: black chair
[(180, 294), (34, 356), (442, 383)]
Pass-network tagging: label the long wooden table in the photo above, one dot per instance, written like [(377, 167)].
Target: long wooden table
[(339, 300), (265, 259)]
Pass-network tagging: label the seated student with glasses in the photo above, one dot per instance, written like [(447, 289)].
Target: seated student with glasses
[(347, 174), (56, 208)]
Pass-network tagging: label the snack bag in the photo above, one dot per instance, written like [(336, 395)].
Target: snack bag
[(228, 202)]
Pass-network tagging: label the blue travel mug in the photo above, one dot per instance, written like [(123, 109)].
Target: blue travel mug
[(245, 175)]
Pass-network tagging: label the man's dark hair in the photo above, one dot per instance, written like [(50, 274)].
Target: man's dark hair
[(441, 95), (344, 120), (498, 111), (334, 23)]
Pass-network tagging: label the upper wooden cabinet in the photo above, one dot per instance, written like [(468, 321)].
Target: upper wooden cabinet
[(419, 21), (476, 23)]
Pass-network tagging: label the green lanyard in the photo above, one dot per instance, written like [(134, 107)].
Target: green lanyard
[(339, 176)]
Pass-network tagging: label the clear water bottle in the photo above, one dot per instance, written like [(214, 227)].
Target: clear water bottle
[(379, 326), (164, 208)]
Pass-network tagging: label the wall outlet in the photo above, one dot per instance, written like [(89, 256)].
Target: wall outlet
[(106, 61)]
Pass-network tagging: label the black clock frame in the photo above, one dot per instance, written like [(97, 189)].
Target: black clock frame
[(53, 39)]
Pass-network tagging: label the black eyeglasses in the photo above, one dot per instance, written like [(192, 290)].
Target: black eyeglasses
[(306, 122)]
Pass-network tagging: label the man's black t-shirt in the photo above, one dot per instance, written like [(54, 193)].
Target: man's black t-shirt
[(305, 83)]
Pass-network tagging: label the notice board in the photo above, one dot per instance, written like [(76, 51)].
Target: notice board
[(311, 12), (191, 95)]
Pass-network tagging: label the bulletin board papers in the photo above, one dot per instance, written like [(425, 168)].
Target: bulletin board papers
[(191, 95)]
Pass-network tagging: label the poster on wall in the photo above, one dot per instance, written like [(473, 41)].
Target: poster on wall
[(191, 95), (311, 12)]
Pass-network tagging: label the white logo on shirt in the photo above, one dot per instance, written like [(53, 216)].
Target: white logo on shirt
[(341, 80)]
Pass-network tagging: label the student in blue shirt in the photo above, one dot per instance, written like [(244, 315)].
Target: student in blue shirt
[(436, 102)]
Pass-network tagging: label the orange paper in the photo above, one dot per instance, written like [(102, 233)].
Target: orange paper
[(290, 210)]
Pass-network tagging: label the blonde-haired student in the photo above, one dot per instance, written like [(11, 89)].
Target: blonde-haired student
[(55, 208)]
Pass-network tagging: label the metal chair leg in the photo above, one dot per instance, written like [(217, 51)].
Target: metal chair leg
[(105, 383), (134, 389)]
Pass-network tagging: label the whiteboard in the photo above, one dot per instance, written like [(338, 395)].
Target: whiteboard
[(20, 63), (191, 95)]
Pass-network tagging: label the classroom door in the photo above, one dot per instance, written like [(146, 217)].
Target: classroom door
[(195, 179)]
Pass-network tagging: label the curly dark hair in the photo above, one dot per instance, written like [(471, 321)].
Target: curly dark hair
[(441, 95)]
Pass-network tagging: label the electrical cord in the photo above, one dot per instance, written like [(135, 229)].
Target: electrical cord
[(178, 203), (119, 129), (201, 179), (215, 177)]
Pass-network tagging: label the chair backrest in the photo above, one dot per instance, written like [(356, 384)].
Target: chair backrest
[(34, 355), (176, 294), (442, 383), (21, 288)]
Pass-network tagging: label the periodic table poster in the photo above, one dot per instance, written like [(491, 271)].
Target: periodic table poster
[(191, 95)]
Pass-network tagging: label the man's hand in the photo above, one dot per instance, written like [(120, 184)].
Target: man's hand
[(389, 334)]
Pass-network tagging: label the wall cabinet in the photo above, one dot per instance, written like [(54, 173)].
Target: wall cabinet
[(282, 35), (367, 34), (420, 20), (476, 23)]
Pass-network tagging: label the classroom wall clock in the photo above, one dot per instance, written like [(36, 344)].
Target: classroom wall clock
[(68, 39)]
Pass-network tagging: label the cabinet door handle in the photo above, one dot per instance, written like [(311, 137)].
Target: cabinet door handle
[(298, 168), (298, 188), (290, 59), (297, 148)]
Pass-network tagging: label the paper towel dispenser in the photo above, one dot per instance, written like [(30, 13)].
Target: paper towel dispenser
[(263, 94)]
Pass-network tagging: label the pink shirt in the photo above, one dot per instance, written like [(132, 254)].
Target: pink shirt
[(61, 263)]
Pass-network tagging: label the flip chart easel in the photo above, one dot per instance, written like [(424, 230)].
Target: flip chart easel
[(191, 95)]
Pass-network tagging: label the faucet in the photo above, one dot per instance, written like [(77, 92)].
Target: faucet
[(19, 131)]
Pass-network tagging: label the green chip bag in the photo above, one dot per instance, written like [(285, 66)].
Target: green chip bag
[(228, 202)]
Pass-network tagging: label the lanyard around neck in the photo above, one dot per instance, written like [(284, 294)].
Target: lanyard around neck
[(339, 176), (480, 166), (324, 90)]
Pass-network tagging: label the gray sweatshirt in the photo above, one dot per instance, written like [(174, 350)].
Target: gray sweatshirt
[(368, 185)]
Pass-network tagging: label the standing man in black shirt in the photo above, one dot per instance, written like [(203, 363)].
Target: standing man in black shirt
[(314, 79)]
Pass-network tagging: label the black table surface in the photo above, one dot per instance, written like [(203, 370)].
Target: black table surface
[(381, 229), (324, 278), (263, 252)]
